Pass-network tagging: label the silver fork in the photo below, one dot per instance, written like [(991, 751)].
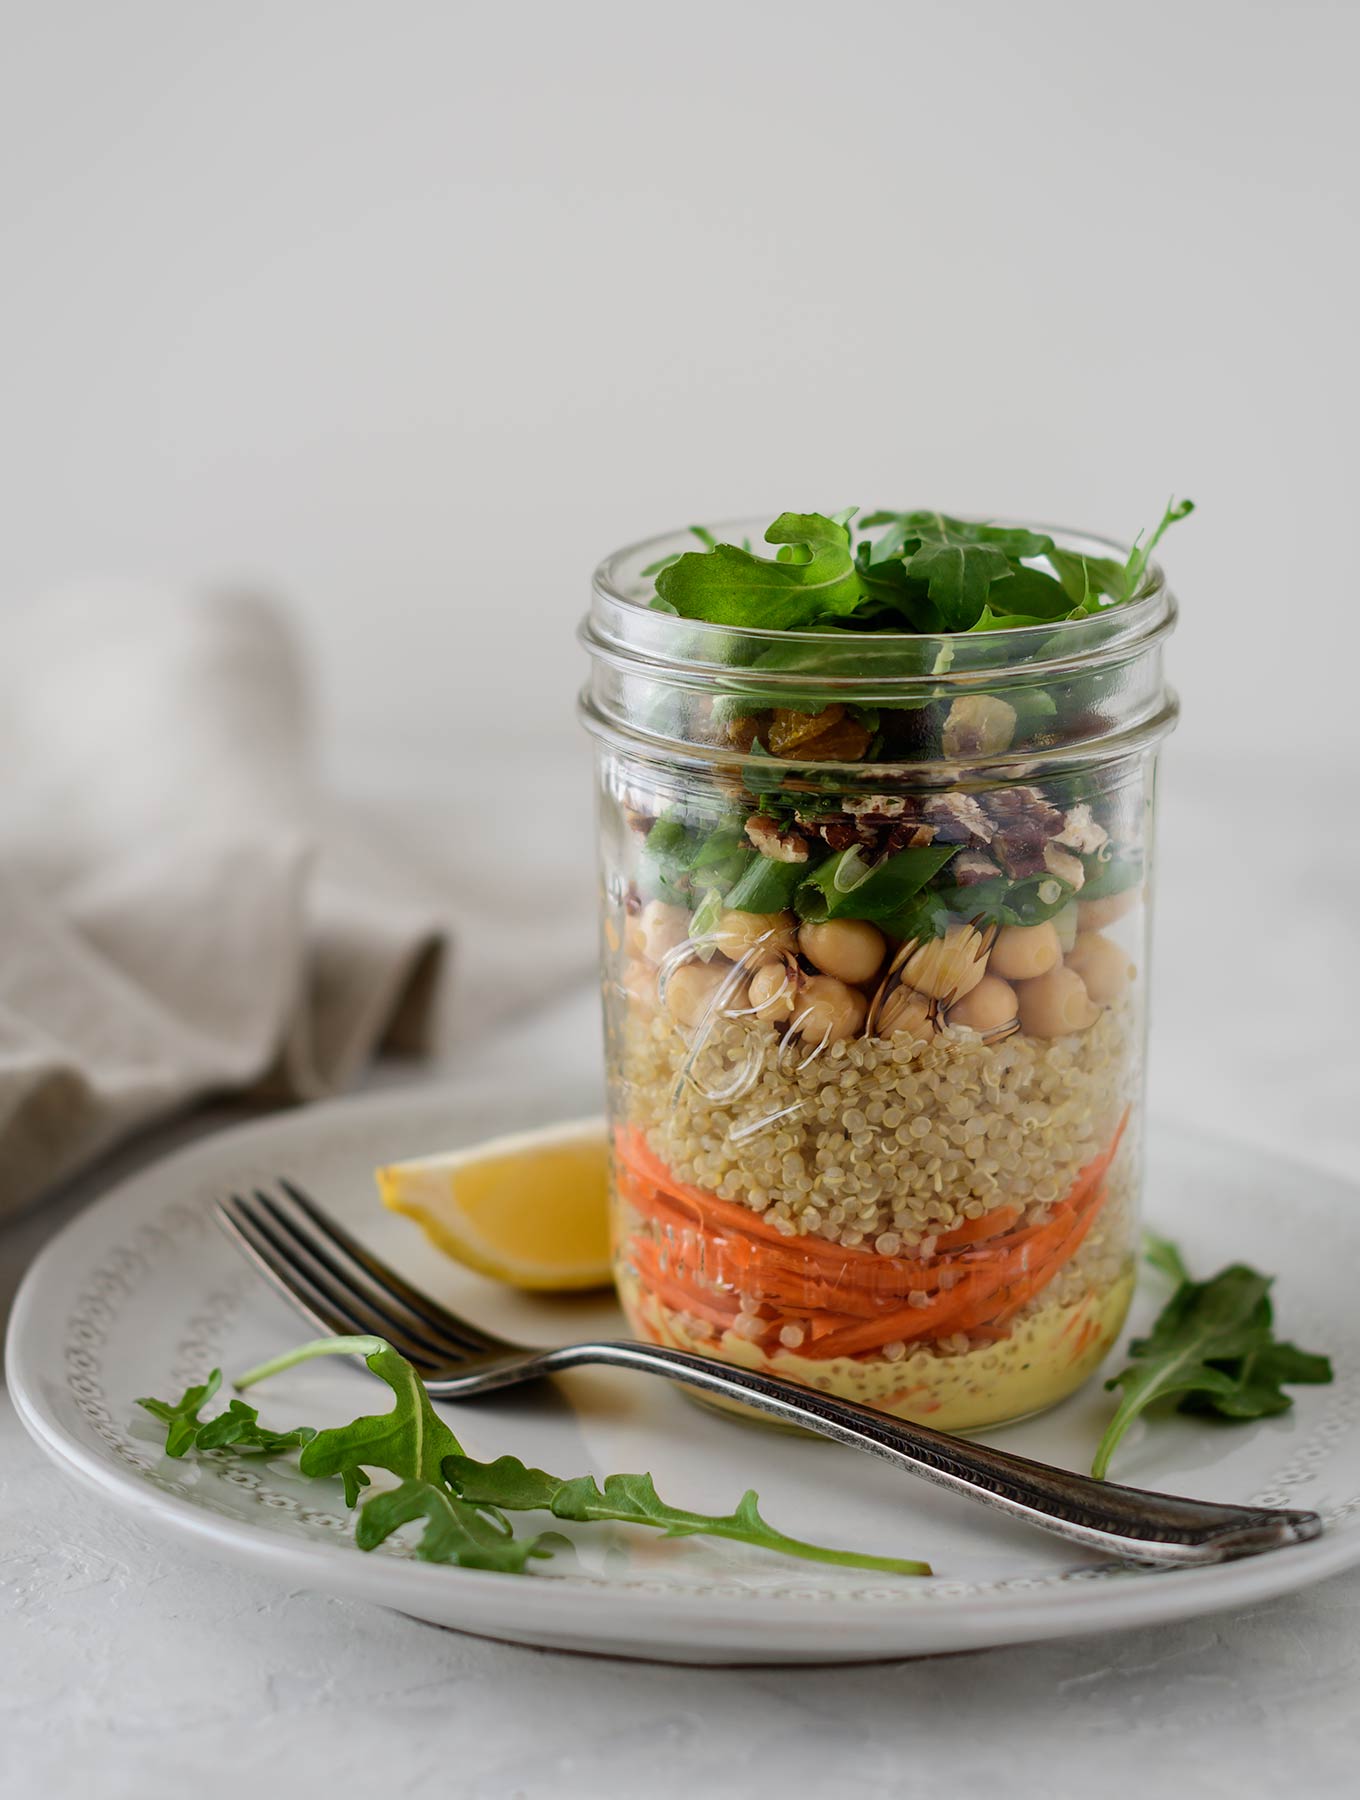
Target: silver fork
[(343, 1288)]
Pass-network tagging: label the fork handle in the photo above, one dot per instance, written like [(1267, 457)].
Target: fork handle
[(1133, 1524)]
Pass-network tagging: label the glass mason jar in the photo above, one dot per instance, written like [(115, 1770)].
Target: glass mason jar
[(875, 922)]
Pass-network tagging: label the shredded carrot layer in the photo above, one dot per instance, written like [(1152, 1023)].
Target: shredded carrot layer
[(721, 1262)]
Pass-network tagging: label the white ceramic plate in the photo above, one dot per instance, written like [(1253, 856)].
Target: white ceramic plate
[(141, 1294)]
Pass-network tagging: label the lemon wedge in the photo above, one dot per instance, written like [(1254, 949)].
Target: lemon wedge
[(531, 1210)]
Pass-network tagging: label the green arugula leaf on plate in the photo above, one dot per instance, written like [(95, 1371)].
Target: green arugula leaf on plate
[(460, 1501), (238, 1428), (180, 1417), (633, 1500), (410, 1441), (455, 1531), (1161, 1254), (1213, 1349)]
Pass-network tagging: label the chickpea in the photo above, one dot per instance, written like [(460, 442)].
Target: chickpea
[(661, 929), (991, 1005), (755, 939), (773, 990), (906, 1010), (1103, 966), (951, 965), (850, 949), (827, 1010), (1023, 951), (1051, 1005), (692, 989), (1095, 915), (639, 983)]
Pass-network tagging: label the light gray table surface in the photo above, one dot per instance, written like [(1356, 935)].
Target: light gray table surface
[(135, 1668)]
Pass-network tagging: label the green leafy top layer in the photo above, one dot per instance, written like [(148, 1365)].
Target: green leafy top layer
[(925, 572)]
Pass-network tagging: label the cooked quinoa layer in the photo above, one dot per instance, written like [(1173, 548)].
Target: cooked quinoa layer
[(882, 1142)]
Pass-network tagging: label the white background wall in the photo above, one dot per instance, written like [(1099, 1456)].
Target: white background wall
[(412, 310)]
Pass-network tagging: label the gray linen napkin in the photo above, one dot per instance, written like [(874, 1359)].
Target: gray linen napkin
[(182, 912)]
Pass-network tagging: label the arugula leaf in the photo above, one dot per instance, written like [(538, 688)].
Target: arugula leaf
[(1001, 901), (927, 572), (238, 1428), (455, 1532), (1258, 1392), (1213, 1348), (729, 586), (705, 537), (908, 528), (681, 863), (1084, 579), (958, 560), (845, 887), (410, 1441), (459, 1499), (633, 1499), (1162, 1254), (926, 915), (667, 853), (767, 886), (181, 1416), (722, 856), (1136, 566), (1031, 598)]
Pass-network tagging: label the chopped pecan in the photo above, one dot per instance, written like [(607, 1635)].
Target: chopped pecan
[(958, 819), (788, 846), (1081, 831), (978, 725), (1019, 856), (909, 836), (1023, 810), (970, 867), (879, 807), (840, 835)]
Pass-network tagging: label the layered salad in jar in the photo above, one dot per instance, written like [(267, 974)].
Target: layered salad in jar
[(874, 959)]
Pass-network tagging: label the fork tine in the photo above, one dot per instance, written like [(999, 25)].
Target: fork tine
[(436, 1318), (344, 1283), (281, 1273), (306, 1284)]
